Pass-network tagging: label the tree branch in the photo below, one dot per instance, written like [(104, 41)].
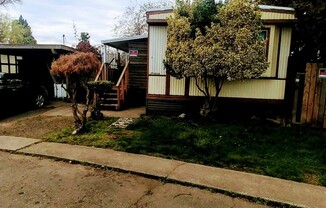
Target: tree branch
[(206, 84), (218, 85), (200, 89), (4, 2)]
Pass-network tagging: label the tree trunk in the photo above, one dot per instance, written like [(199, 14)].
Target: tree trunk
[(206, 110), (88, 104), (77, 121), (210, 108), (74, 106), (71, 90)]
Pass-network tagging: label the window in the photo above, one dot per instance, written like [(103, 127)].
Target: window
[(264, 34), (9, 63)]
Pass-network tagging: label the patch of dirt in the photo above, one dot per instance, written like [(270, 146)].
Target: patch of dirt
[(40, 123), (37, 127)]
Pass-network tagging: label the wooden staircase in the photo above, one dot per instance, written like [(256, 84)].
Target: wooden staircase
[(116, 97), (109, 100)]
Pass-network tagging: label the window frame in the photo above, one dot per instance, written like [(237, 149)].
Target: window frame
[(10, 62)]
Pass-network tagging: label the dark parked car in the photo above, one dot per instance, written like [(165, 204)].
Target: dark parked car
[(15, 91)]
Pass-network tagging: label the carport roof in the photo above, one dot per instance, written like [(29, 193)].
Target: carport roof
[(54, 48), (123, 43)]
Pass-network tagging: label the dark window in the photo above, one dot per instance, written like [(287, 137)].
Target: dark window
[(264, 34)]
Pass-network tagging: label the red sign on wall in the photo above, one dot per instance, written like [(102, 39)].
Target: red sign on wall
[(322, 73), (133, 52)]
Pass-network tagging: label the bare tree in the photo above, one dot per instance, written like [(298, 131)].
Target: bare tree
[(5, 2), (133, 20)]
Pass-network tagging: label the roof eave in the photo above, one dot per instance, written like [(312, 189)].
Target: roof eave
[(37, 47)]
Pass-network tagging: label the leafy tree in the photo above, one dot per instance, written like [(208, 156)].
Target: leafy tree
[(228, 48), (15, 31), (84, 36), (85, 46), (22, 21), (5, 28), (309, 33), (78, 69), (21, 32), (201, 13), (133, 21)]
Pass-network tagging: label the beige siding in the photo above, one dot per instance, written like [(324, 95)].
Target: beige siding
[(252, 89), (194, 91), (284, 52), (157, 48), (156, 85), (273, 45), (255, 89), (177, 86), (162, 16), (277, 16)]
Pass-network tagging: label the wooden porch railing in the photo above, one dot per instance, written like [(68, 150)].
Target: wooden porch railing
[(100, 73), (122, 86)]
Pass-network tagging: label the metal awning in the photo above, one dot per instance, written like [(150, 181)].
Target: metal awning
[(123, 43)]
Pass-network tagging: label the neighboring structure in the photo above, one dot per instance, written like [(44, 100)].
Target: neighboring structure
[(33, 62), (165, 93), (310, 96)]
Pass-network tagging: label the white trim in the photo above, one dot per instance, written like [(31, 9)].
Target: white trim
[(268, 7)]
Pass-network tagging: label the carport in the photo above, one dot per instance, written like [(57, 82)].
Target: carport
[(33, 62)]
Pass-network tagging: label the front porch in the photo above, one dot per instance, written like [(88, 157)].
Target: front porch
[(127, 69)]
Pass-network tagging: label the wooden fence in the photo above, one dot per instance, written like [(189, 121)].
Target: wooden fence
[(313, 111)]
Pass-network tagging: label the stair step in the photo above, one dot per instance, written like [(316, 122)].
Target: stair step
[(108, 98), (115, 96), (110, 93), (109, 105)]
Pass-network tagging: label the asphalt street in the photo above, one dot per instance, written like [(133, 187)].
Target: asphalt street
[(27, 181)]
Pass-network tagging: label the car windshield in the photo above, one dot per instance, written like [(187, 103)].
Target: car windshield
[(1, 75)]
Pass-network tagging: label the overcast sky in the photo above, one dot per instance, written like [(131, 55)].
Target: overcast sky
[(51, 19)]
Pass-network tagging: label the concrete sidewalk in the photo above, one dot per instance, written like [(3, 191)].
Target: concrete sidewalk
[(221, 180), (64, 109)]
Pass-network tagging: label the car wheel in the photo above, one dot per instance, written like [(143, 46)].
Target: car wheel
[(39, 100)]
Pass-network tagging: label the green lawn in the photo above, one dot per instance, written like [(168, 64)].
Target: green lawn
[(294, 153)]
